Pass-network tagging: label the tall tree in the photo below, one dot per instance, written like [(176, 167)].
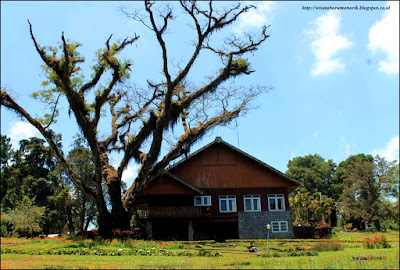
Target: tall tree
[(141, 119), (6, 151), (367, 183), (30, 174), (6, 155), (84, 210), (313, 172), (316, 176)]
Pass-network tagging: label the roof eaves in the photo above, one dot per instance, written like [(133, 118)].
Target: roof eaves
[(183, 182)]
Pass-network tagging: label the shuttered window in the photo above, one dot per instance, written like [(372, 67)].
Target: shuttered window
[(279, 226)]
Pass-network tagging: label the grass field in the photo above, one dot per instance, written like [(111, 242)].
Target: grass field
[(343, 251)]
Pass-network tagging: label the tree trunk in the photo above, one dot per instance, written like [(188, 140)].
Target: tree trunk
[(377, 225), (71, 227), (82, 213), (88, 220), (104, 220), (333, 217), (120, 217)]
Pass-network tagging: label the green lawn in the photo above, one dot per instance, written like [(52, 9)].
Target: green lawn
[(41, 254)]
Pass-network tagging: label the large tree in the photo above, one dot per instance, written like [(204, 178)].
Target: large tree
[(316, 176), (30, 173), (141, 119), (313, 172), (367, 183)]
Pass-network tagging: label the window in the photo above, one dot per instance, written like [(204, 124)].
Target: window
[(276, 202), (252, 203), (202, 200), (227, 204), (279, 226)]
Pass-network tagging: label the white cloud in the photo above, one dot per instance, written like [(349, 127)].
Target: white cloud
[(348, 149), (21, 130), (258, 17), (384, 37), (327, 44), (315, 134), (130, 174), (390, 152)]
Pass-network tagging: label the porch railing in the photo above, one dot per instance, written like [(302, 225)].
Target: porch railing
[(179, 211)]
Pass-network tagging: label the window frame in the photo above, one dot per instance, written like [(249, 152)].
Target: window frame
[(227, 199), (202, 200), (281, 196), (279, 223), (251, 197)]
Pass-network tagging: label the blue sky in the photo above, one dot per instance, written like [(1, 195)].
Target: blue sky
[(334, 73)]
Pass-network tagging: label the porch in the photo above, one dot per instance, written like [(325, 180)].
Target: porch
[(176, 211)]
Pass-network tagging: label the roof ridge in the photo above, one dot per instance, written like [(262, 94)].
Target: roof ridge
[(218, 139)]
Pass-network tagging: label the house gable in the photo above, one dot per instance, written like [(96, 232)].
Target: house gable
[(221, 165), (168, 184)]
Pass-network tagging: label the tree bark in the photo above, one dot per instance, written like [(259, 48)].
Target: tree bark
[(377, 225), (104, 220), (120, 217)]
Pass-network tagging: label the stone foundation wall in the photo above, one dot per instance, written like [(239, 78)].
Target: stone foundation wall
[(253, 225)]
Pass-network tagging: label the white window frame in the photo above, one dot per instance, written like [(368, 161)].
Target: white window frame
[(228, 198), (279, 223), (252, 197), (203, 202), (277, 197)]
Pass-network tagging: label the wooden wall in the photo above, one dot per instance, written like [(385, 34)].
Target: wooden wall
[(219, 166)]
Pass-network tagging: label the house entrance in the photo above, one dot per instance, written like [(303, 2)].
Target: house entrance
[(170, 230), (218, 231)]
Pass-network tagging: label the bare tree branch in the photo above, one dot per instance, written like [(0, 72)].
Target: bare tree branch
[(10, 103)]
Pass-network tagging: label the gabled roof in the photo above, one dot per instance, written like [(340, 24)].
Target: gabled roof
[(183, 182), (218, 140)]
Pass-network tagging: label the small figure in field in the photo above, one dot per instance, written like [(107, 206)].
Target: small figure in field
[(252, 248)]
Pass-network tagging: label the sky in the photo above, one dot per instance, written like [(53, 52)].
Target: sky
[(334, 72)]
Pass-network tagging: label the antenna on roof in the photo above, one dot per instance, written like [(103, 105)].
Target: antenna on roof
[(237, 132)]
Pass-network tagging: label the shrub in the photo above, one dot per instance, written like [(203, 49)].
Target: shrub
[(376, 242), (290, 254), (306, 253), (206, 253), (328, 246), (323, 230), (390, 224)]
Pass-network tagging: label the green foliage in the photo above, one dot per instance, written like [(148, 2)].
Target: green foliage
[(5, 152), (328, 246), (5, 225), (307, 208), (313, 172), (27, 218), (31, 173), (82, 210), (367, 184)]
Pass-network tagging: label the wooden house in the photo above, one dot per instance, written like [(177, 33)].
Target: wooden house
[(218, 192)]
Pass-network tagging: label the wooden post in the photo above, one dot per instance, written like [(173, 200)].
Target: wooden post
[(190, 230)]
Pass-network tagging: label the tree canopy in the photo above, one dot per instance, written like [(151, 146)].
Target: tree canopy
[(142, 120)]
